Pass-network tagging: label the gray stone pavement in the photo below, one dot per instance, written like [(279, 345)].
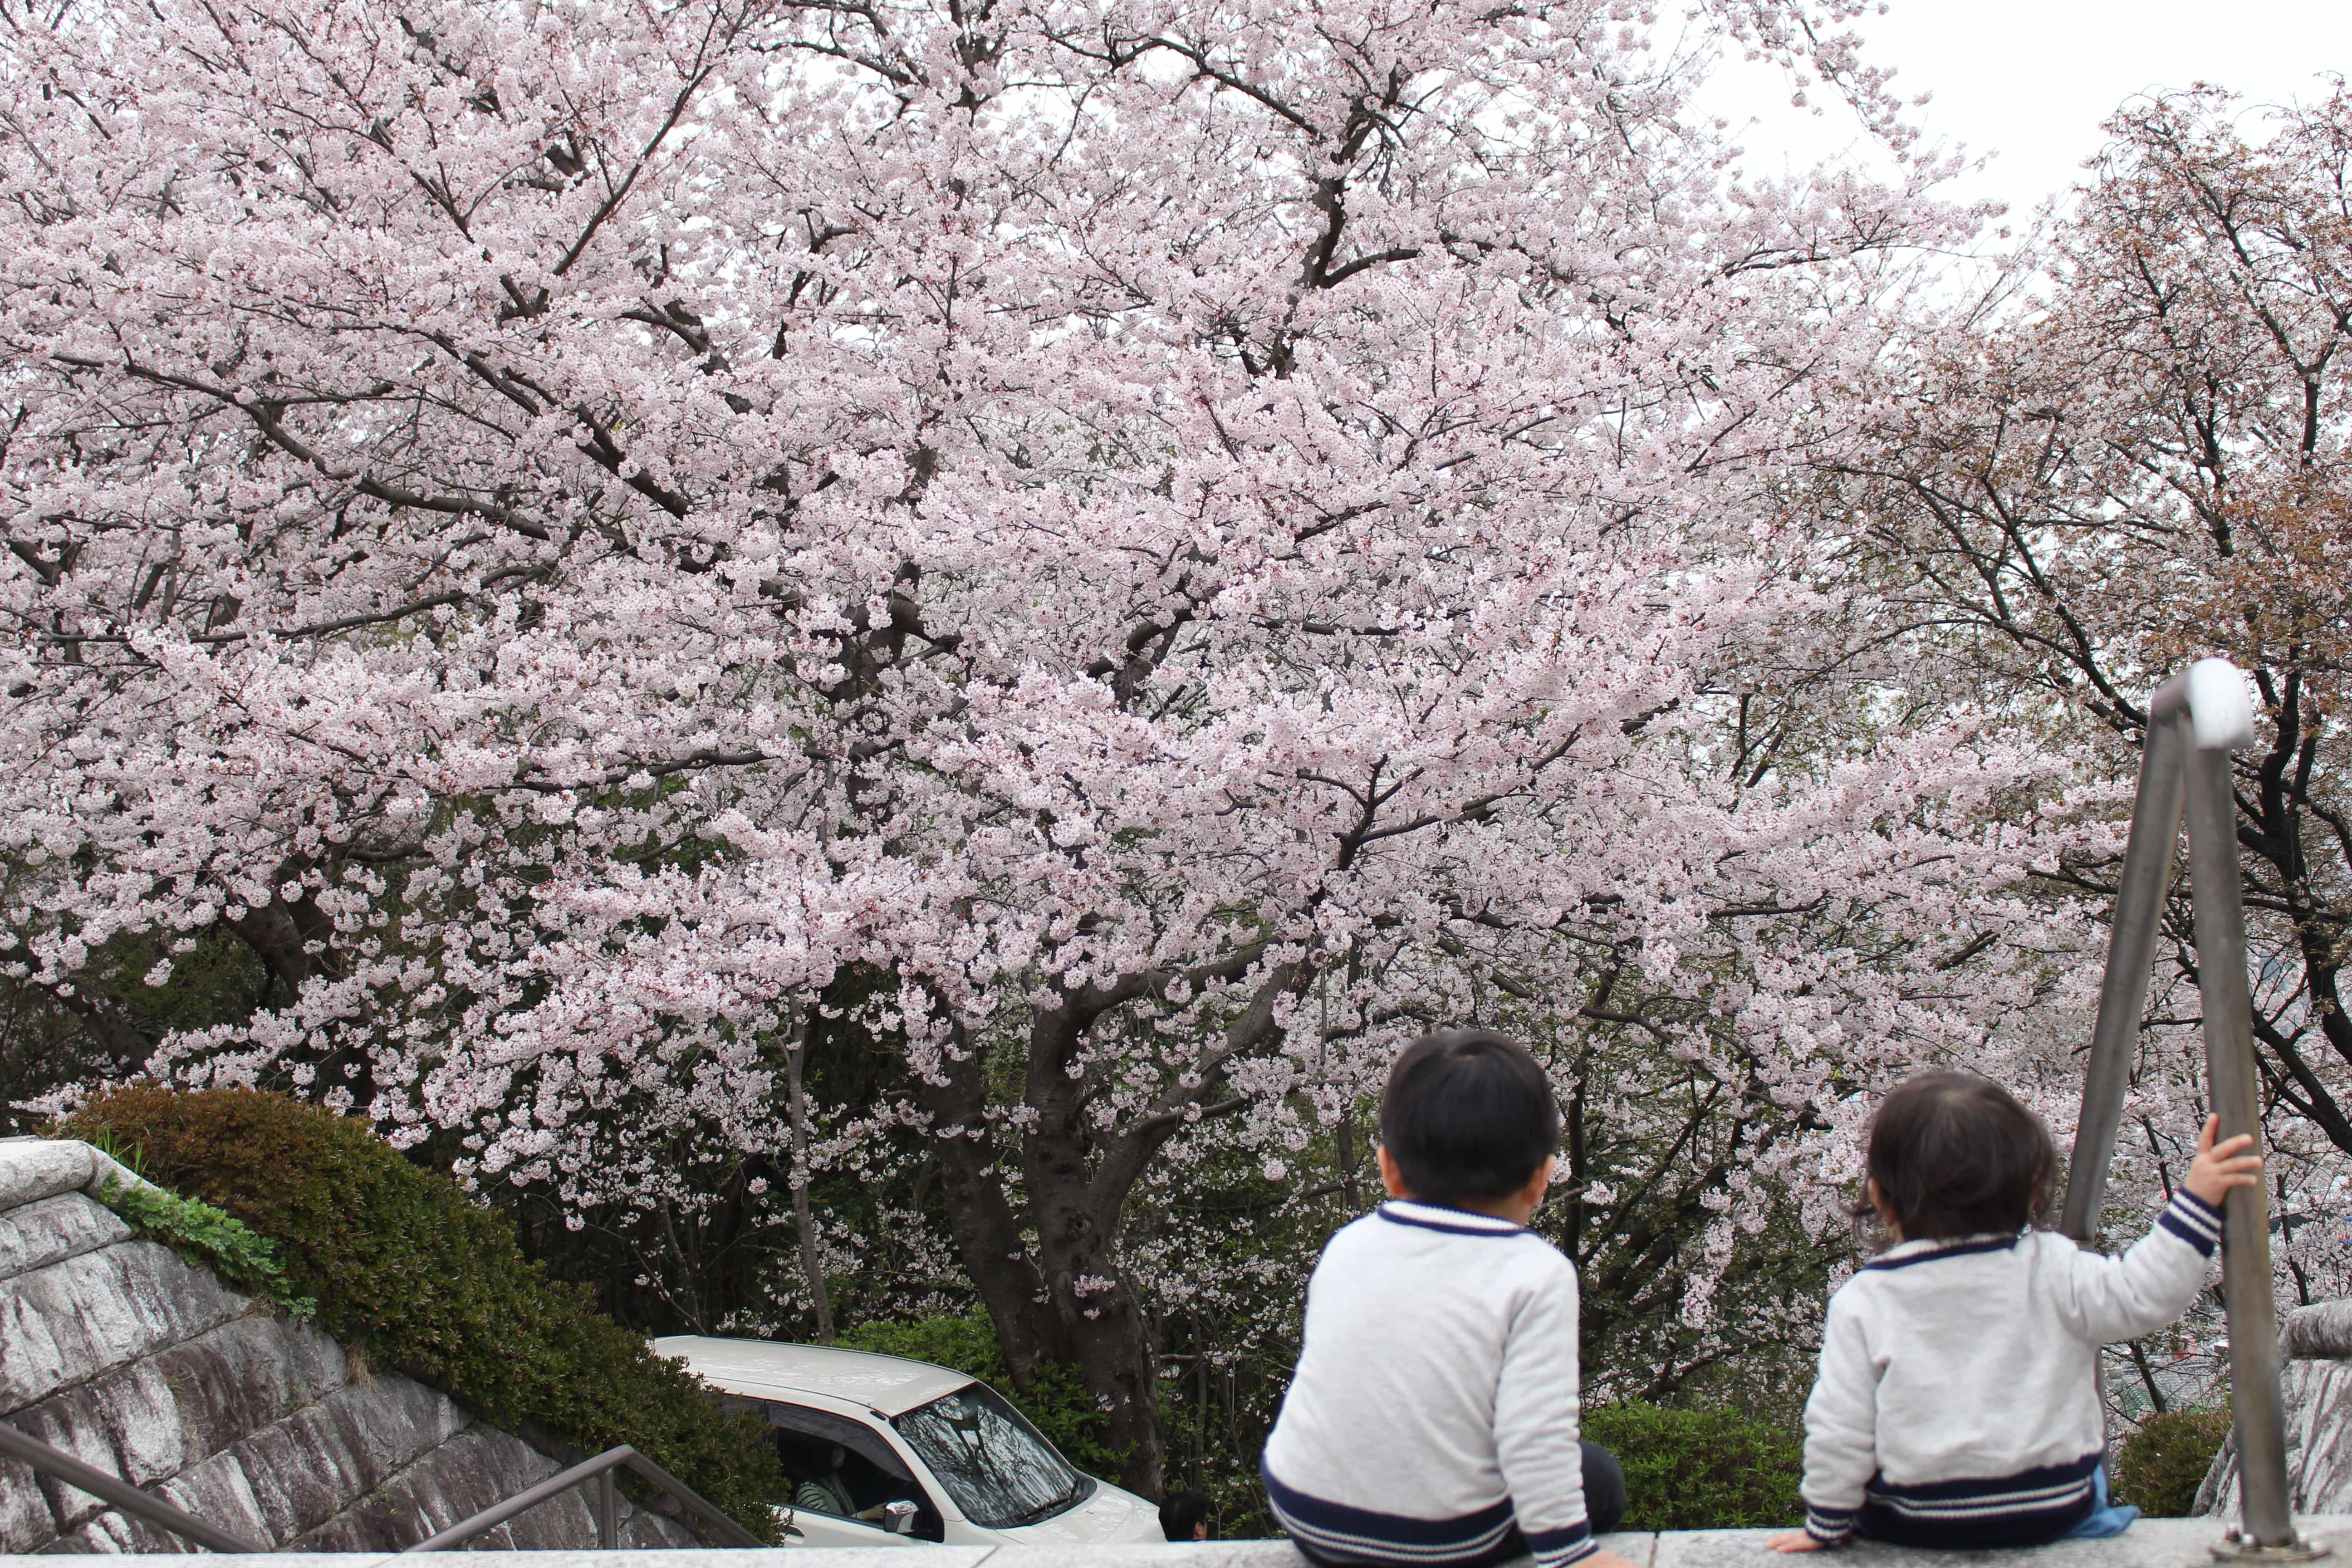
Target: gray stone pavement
[(2150, 1543)]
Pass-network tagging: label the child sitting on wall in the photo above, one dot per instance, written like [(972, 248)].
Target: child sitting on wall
[(1433, 1419), (1957, 1402)]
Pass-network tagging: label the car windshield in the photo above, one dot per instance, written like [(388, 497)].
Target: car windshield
[(993, 1463)]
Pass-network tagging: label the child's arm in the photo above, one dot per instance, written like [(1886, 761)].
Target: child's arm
[(2111, 1299), (1536, 1426), (1841, 1432)]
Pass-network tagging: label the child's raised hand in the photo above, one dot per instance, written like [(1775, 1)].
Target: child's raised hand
[(2216, 1170), (1794, 1541)]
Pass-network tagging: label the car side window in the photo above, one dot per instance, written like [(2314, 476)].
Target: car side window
[(844, 1469)]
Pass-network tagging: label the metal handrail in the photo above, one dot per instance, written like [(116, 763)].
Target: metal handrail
[(600, 1469), (118, 1491), (2195, 720), (130, 1499)]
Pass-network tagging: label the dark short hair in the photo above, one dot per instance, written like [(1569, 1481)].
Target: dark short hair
[(1955, 1154), (1181, 1513), (1467, 1116)]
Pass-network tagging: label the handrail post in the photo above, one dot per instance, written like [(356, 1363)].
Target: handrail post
[(608, 1519), (2221, 720), (2131, 954)]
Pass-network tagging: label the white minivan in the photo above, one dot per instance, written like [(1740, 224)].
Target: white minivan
[(887, 1452)]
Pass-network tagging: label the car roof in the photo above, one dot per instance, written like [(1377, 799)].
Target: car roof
[(887, 1384)]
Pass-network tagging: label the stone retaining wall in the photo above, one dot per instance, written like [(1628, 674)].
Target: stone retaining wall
[(2315, 1384), (119, 1352)]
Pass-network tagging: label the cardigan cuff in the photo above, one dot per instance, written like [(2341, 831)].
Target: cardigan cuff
[(2194, 1220), (1829, 1526)]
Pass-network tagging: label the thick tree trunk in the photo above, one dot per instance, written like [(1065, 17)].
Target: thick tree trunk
[(1087, 1292), (979, 1215), (1064, 1298)]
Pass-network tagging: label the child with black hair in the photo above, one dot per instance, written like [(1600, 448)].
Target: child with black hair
[(1184, 1516), (1957, 1402), (1433, 1419)]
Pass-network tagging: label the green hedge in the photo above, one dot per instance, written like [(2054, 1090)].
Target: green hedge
[(406, 1268), (1701, 1469), (2158, 1469)]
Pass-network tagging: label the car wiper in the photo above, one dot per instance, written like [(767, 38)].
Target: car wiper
[(1045, 1510)]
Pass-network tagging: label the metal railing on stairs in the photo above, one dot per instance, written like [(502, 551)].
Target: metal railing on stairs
[(603, 1472), (120, 1493)]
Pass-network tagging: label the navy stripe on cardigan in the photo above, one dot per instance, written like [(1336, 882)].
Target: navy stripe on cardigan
[(1335, 1532)]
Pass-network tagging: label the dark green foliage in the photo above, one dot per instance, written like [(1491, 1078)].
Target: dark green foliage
[(210, 1239), (403, 1265), (104, 1024), (1056, 1400), (2158, 1469), (1701, 1469)]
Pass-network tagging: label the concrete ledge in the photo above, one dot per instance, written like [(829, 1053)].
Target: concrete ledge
[(2150, 1543)]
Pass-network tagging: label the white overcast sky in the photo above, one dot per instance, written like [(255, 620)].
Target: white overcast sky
[(2031, 80)]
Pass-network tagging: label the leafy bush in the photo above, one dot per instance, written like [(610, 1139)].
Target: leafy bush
[(210, 1239), (2160, 1467), (403, 1267), (1701, 1469), (1056, 1400)]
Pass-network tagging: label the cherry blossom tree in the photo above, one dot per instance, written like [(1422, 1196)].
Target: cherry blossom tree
[(2141, 458), (1128, 556)]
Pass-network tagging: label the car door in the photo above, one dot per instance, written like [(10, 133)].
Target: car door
[(841, 1468), (810, 1528)]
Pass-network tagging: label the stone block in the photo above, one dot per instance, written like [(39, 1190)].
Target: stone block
[(32, 1169), (89, 1313), (507, 1465), (217, 1491), (315, 1363), (301, 1472), (449, 1483), (393, 1419), (25, 1522), (109, 1534), (649, 1531), (53, 1230), (2319, 1398), (372, 1525), (71, 1423), (239, 1377), (2320, 1332), (115, 1531), (177, 1299), (44, 1346), (141, 1414)]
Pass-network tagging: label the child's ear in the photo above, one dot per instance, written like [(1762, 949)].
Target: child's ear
[(1885, 1210), (1539, 1185), (1391, 1177)]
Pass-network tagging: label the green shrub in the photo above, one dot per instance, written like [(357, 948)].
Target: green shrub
[(1056, 1400), (1701, 1469), (209, 1238), (403, 1267), (2158, 1469)]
